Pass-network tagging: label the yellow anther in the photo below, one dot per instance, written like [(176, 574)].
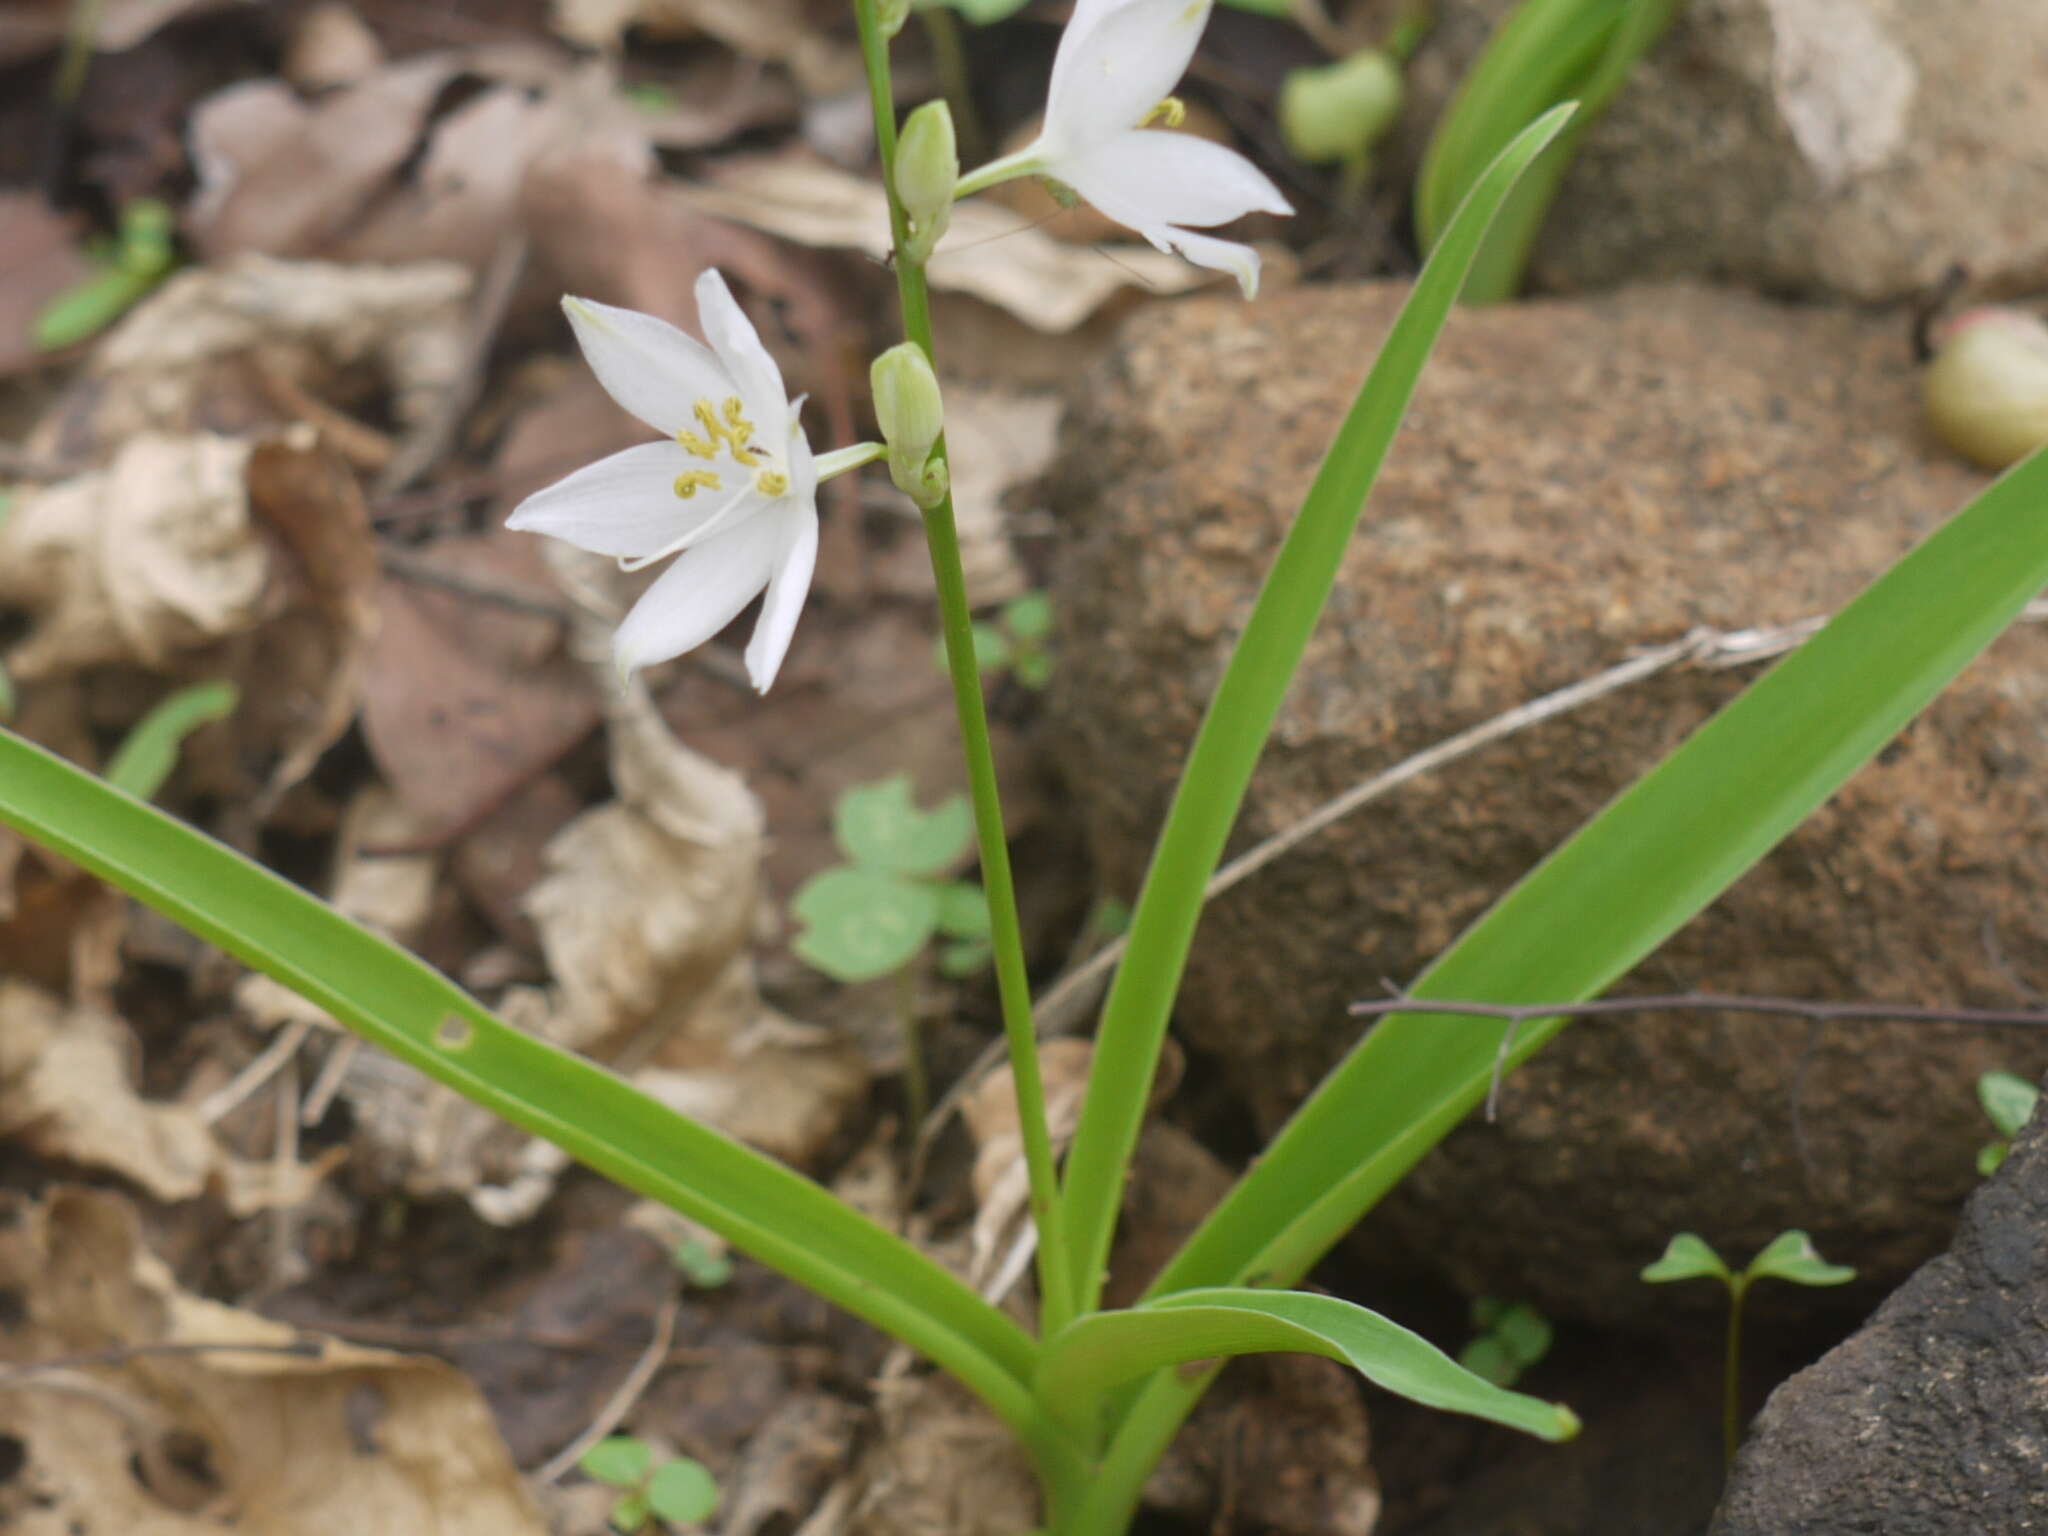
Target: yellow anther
[(772, 482), (689, 482), (732, 429), (1172, 112)]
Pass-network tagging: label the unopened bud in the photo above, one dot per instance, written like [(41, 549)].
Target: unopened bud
[(892, 14), (1339, 111), (927, 168), (912, 415)]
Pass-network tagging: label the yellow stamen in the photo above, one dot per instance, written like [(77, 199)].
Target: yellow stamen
[(742, 431), (772, 482), (1172, 112), (688, 483)]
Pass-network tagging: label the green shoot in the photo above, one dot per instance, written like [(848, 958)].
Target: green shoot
[(2008, 1101), (676, 1491)]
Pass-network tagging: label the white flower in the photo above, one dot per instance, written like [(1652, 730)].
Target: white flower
[(1117, 62), (731, 492)]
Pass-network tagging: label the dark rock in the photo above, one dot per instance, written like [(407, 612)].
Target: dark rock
[(1576, 480), (1931, 1420)]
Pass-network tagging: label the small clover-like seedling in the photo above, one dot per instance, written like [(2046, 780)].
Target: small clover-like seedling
[(1790, 1256), (702, 1264), (2008, 1101), (1019, 642), (677, 1491), (1512, 1337), (874, 914)]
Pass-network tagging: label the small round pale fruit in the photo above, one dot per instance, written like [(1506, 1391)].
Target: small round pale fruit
[(1986, 392)]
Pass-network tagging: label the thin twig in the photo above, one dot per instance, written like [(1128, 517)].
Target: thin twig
[(20, 1375), (421, 572), (1062, 1007), (621, 1402), (216, 1105), (1716, 1002)]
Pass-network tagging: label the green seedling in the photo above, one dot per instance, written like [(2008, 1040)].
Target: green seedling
[(874, 914), (985, 13), (2009, 1100), (145, 759), (139, 257), (702, 1264), (677, 1491), (1789, 1256), (1019, 642), (1512, 1337)]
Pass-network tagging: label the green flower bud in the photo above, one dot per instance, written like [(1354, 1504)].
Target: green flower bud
[(912, 415), (1339, 111), (892, 14), (927, 168)]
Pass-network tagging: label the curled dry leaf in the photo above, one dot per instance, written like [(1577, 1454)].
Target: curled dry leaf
[(138, 562), (1002, 1239), (208, 1441), (991, 253), (191, 356), (285, 176), (65, 1094)]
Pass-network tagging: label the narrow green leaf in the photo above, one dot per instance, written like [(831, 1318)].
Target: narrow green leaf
[(1686, 1257), (683, 1491), (1105, 1349), (880, 826), (620, 1460), (2008, 1099), (401, 1005), (1239, 720), (861, 924), (146, 758), (1791, 1256), (6, 695)]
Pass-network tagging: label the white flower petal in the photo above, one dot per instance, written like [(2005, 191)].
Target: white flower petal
[(1153, 177), (626, 506), (1116, 62), (647, 365), (701, 593), (796, 556), (738, 345), (1240, 261)]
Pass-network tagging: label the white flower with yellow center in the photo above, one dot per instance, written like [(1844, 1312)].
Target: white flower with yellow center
[(1117, 62), (732, 491)]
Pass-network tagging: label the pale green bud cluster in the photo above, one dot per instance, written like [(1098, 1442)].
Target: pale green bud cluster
[(912, 415), (1337, 112), (927, 170), (893, 15)]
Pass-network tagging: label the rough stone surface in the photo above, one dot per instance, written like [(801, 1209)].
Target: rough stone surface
[(1856, 147), (1931, 1419), (1576, 480)]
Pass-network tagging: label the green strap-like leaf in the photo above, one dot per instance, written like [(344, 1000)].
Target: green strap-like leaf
[(400, 1004), (145, 759), (1096, 1353), (1239, 720)]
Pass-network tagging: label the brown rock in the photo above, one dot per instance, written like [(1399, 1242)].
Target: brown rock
[(1856, 147), (1575, 480)]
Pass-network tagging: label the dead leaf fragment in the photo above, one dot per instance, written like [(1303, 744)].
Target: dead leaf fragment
[(181, 360), (268, 1437), (138, 562), (65, 1094), (991, 252)]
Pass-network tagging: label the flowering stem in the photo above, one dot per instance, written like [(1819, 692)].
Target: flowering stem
[(1006, 934)]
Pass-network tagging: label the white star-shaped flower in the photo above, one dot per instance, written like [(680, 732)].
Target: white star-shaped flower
[(1118, 61), (731, 492)]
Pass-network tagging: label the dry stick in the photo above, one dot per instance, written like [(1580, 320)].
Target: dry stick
[(621, 1402), (1062, 1007), (1518, 1014), (266, 1065), (22, 1375)]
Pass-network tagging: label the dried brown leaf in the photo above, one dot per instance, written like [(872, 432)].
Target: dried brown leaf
[(211, 1441)]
